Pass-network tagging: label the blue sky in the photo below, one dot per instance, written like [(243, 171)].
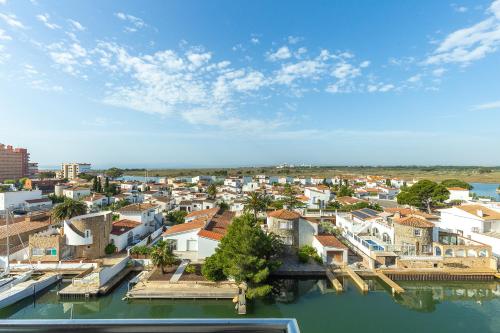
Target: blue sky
[(233, 83)]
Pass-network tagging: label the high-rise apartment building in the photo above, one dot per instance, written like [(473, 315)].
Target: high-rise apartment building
[(72, 170), (13, 162)]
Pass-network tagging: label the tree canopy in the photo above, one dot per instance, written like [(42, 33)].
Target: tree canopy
[(345, 191), (177, 216), (247, 254), (256, 202), (424, 194), (289, 198), (114, 172), (67, 209), (456, 183)]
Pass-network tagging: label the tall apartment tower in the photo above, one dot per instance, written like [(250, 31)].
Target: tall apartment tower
[(72, 170), (13, 162)]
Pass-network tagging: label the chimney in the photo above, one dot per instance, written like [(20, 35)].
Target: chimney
[(479, 213), (397, 215)]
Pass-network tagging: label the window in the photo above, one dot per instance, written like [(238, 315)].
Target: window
[(417, 232), (87, 233), (286, 225), (37, 252), (50, 252), (426, 249), (288, 240)]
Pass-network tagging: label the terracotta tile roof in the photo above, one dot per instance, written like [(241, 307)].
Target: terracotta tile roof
[(408, 211), (123, 226), (210, 234), (330, 241), (183, 227), (414, 221), (126, 223), (284, 214), (488, 214), (139, 207), (13, 229), (204, 212), (456, 189)]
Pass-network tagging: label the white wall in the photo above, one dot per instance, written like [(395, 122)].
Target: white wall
[(206, 247), (307, 230), (17, 198), (182, 238), (456, 219), (108, 273), (491, 241)]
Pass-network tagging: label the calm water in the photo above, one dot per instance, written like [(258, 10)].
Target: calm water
[(425, 307), (485, 189)]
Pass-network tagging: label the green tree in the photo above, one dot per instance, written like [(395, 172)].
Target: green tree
[(46, 175), (246, 254), (388, 182), (99, 185), (223, 205), (119, 204), (424, 194), (67, 209), (85, 176), (345, 191), (456, 183), (94, 184), (162, 255), (56, 198), (177, 216), (256, 202), (212, 191), (114, 173), (289, 198)]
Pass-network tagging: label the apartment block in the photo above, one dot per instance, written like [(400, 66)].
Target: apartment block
[(72, 170), (14, 162)]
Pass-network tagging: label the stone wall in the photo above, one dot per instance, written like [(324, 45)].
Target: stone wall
[(46, 243), (406, 235), (100, 228), (274, 227), (448, 263)]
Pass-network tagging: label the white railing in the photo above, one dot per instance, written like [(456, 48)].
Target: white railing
[(435, 258)]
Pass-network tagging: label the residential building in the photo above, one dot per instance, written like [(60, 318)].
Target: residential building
[(14, 162), (125, 233), (17, 199), (294, 230), (330, 249), (145, 213), (32, 169), (47, 186), (88, 235), (72, 170), (458, 194), (76, 193)]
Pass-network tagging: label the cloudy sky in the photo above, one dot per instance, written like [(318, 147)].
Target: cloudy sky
[(233, 83)]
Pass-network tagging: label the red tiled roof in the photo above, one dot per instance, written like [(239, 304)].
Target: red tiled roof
[(330, 241), (126, 223), (284, 214), (208, 212), (456, 189), (348, 200), (139, 207), (183, 227), (210, 234), (414, 221)]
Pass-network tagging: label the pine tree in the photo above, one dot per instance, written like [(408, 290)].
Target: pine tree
[(99, 185)]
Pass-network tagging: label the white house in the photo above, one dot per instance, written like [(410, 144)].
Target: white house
[(76, 193), (17, 199), (125, 232), (330, 249), (477, 222), (200, 235), (318, 196), (95, 201), (458, 194), (38, 204), (145, 213)]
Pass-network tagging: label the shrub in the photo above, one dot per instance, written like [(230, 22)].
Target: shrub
[(144, 250), (110, 248), (307, 252), (190, 269), (212, 269)]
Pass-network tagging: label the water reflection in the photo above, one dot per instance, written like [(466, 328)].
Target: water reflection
[(425, 296)]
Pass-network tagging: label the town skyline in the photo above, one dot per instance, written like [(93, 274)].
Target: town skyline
[(169, 86)]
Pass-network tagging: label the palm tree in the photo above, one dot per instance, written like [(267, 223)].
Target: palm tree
[(162, 255), (67, 209), (256, 203), (212, 191)]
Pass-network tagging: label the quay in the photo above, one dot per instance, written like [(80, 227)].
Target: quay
[(335, 282), (360, 283), (395, 288), (188, 289)]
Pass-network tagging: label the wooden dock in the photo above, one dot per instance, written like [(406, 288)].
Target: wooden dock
[(362, 285), (395, 288), (335, 282), (189, 290)]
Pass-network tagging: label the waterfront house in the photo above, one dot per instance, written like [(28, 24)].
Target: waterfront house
[(146, 213), (125, 233), (294, 230), (475, 221), (330, 249)]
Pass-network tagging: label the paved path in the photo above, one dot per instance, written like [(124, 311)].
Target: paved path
[(178, 273)]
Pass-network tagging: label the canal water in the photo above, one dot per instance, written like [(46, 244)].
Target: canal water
[(486, 189), (425, 307)]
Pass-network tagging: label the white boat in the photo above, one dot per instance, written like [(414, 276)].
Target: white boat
[(16, 280), (26, 289)]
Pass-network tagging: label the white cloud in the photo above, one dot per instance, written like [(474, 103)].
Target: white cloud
[(487, 106), (281, 54), (70, 57), (255, 40), (364, 64), (44, 18), (472, 43), (4, 56), (3, 2), (4, 36), (137, 22), (294, 39), (458, 8), (344, 71), (380, 87), (415, 78), (300, 70), (438, 72), (11, 20), (77, 25), (198, 59)]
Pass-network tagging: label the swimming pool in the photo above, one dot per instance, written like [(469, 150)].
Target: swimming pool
[(372, 245)]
